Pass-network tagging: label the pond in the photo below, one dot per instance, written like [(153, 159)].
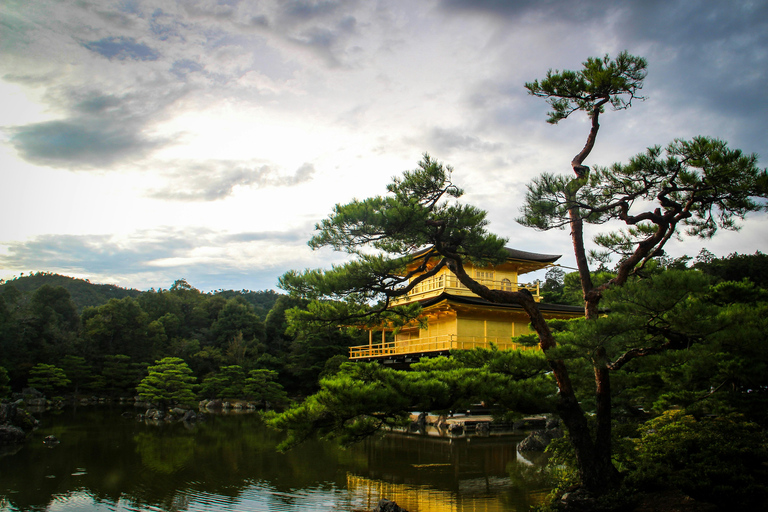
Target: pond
[(105, 462)]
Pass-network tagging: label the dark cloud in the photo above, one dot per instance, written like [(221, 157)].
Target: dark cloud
[(82, 143), (214, 180), (276, 236), (703, 56), (304, 10), (547, 9), (122, 48), (101, 130)]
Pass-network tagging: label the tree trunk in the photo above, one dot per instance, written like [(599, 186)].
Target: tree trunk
[(593, 457)]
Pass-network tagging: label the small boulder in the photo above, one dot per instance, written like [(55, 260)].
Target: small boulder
[(10, 435), (538, 440), (385, 505)]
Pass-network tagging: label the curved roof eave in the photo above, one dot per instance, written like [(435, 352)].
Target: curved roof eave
[(513, 254), (477, 301)]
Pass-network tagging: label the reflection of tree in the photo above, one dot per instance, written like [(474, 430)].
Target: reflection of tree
[(164, 453), (110, 459)]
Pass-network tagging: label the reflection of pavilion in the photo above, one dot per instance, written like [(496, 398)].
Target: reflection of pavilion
[(429, 474), (474, 495)]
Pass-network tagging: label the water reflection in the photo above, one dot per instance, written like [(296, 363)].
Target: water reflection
[(107, 462)]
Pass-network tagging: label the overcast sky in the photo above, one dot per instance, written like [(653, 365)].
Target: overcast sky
[(146, 141)]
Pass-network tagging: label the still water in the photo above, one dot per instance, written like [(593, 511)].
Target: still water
[(105, 462)]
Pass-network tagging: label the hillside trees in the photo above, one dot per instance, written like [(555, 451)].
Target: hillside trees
[(698, 186), (108, 348)]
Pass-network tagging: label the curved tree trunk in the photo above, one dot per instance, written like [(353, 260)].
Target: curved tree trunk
[(593, 457)]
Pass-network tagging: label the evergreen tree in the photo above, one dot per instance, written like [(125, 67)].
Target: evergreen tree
[(77, 370), (226, 384), (169, 381), (261, 385), (47, 378)]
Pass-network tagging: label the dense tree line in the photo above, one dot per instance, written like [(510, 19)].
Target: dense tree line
[(106, 349)]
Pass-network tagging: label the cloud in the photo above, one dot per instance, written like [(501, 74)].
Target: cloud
[(101, 128), (215, 180), (122, 48), (449, 140), (82, 142)]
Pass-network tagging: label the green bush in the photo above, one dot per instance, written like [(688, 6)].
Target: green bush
[(721, 460)]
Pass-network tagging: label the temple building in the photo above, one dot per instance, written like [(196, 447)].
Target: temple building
[(455, 318)]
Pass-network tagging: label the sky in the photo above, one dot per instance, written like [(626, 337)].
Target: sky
[(143, 142)]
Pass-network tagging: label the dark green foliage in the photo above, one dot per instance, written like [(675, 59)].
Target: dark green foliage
[(552, 291), (235, 317), (105, 349), (311, 350), (700, 185), (120, 327), (675, 340), (5, 389), (720, 460), (601, 81), (262, 301), (169, 381), (361, 398), (737, 267), (262, 386), (226, 384), (78, 371), (419, 211), (121, 375), (47, 378), (83, 292)]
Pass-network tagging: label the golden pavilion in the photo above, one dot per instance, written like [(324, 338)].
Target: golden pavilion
[(453, 317)]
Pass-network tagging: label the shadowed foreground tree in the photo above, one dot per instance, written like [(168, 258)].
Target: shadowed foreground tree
[(696, 186), (700, 185)]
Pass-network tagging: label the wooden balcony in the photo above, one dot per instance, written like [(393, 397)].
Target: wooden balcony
[(449, 283), (431, 345)]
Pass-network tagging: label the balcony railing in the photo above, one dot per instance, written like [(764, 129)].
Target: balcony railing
[(432, 344), (450, 284)]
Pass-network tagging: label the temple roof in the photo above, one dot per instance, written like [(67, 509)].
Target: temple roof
[(517, 254), (514, 254), (477, 301)]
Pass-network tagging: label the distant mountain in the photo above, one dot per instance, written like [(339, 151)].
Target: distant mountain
[(83, 292)]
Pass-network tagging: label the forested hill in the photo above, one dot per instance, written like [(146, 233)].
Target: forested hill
[(83, 292)]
